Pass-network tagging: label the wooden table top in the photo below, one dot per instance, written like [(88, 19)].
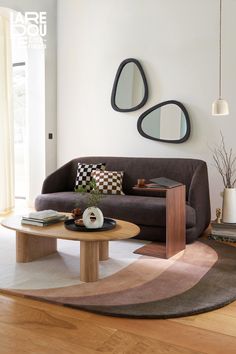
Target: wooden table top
[(123, 230)]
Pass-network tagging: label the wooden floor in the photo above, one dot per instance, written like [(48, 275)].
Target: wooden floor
[(28, 326)]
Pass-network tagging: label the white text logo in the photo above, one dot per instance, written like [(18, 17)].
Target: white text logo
[(30, 28)]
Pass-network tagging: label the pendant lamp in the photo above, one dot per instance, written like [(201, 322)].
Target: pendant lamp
[(220, 106)]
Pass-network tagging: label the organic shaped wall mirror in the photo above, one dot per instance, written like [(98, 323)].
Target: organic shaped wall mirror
[(167, 122), (130, 90)]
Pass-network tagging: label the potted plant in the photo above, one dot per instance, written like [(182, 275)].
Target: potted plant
[(92, 216), (225, 162)]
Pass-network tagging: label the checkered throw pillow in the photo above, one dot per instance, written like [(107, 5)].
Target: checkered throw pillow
[(84, 177), (109, 182)]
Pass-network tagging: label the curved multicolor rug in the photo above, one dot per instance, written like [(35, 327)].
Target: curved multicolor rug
[(201, 279)]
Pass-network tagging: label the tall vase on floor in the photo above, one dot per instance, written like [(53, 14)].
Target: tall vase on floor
[(225, 162), (229, 205)]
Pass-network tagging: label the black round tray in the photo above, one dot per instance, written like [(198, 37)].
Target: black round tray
[(108, 224)]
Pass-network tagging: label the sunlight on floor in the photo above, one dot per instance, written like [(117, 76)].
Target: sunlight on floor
[(20, 208)]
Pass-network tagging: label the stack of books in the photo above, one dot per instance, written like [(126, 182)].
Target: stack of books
[(163, 182), (43, 218), (223, 231)]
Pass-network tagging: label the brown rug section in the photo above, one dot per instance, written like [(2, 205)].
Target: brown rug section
[(203, 278)]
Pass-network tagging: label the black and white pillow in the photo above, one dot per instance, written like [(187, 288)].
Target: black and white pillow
[(109, 182), (84, 177)]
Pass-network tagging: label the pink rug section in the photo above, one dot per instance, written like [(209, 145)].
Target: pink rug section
[(147, 279)]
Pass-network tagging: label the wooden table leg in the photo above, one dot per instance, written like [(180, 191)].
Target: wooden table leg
[(31, 247), (103, 250), (175, 221), (89, 257)]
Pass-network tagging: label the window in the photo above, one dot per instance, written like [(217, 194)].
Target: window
[(19, 112)]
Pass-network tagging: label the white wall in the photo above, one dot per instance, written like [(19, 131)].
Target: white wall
[(177, 44), (50, 6)]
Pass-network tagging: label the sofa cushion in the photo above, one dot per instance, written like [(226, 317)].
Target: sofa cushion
[(84, 177), (108, 182), (149, 211)]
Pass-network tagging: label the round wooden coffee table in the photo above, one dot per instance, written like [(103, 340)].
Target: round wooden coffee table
[(33, 242)]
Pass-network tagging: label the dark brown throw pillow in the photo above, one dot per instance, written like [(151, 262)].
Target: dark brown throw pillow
[(109, 182)]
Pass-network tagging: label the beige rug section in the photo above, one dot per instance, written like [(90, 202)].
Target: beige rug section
[(61, 269)]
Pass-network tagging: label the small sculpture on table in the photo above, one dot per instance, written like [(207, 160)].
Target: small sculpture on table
[(77, 215), (141, 182), (218, 215)]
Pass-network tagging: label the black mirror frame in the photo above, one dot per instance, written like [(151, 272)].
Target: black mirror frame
[(181, 106), (113, 94)]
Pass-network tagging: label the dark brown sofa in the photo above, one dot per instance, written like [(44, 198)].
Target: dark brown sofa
[(147, 211)]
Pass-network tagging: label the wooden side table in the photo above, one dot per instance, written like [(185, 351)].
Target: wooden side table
[(175, 219)]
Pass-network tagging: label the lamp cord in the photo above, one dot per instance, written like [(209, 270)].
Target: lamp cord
[(220, 52)]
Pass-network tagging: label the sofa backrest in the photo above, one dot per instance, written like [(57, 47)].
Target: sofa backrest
[(178, 169)]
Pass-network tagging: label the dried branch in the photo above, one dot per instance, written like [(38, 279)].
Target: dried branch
[(225, 162)]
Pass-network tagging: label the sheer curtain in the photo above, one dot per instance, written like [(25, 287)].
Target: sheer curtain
[(6, 119)]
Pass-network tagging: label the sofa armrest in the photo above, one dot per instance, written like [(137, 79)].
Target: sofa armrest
[(59, 180), (199, 197)]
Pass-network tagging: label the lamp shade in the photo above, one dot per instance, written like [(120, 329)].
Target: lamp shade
[(220, 108)]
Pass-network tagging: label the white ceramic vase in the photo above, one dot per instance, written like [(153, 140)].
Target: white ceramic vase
[(229, 205), (93, 218)]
